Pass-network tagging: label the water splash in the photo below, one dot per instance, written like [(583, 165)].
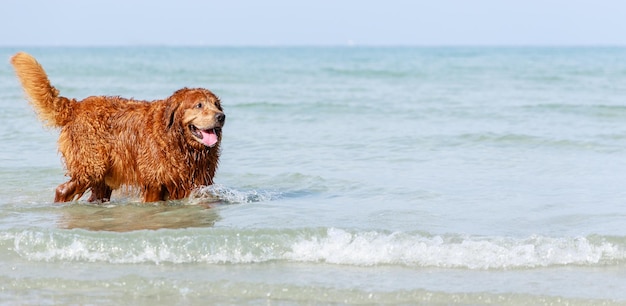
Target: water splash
[(217, 193)]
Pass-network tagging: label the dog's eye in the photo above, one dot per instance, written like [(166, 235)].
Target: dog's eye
[(199, 105)]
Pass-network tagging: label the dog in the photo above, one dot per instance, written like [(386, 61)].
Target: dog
[(164, 148)]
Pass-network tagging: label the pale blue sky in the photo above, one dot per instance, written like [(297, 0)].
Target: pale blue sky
[(320, 22)]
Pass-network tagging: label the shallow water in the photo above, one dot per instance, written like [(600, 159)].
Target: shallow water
[(348, 175)]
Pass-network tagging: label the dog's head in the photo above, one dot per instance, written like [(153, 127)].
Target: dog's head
[(198, 113)]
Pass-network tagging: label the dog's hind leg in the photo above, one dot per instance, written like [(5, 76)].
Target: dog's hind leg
[(100, 193), (69, 190), (154, 193)]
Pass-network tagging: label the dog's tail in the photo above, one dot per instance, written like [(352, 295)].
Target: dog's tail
[(53, 109)]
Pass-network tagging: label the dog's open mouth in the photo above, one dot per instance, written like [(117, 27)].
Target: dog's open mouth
[(208, 137)]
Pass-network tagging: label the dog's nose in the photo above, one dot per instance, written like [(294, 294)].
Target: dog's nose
[(220, 118)]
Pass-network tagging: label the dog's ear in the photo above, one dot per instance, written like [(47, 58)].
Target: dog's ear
[(173, 102), (170, 113)]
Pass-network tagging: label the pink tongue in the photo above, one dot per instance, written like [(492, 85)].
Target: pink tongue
[(209, 138)]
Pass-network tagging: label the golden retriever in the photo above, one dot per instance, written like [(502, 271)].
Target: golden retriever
[(165, 148)]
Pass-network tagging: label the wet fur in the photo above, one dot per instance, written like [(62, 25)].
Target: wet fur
[(110, 142)]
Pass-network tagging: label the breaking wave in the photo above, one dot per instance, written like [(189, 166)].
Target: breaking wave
[(313, 245)]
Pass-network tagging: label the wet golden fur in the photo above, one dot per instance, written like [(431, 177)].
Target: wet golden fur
[(110, 142)]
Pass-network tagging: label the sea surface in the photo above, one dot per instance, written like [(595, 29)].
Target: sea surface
[(349, 175)]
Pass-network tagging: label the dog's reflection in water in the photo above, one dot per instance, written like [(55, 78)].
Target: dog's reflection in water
[(124, 217)]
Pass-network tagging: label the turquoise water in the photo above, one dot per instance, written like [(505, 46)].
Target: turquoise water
[(348, 175)]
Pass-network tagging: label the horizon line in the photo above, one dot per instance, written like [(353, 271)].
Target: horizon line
[(164, 45)]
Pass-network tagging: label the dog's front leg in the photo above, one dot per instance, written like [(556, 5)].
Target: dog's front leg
[(100, 193)]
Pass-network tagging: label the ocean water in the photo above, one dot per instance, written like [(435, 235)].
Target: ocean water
[(451, 175)]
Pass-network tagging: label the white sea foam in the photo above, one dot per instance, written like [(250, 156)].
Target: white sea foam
[(374, 248), (334, 246)]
